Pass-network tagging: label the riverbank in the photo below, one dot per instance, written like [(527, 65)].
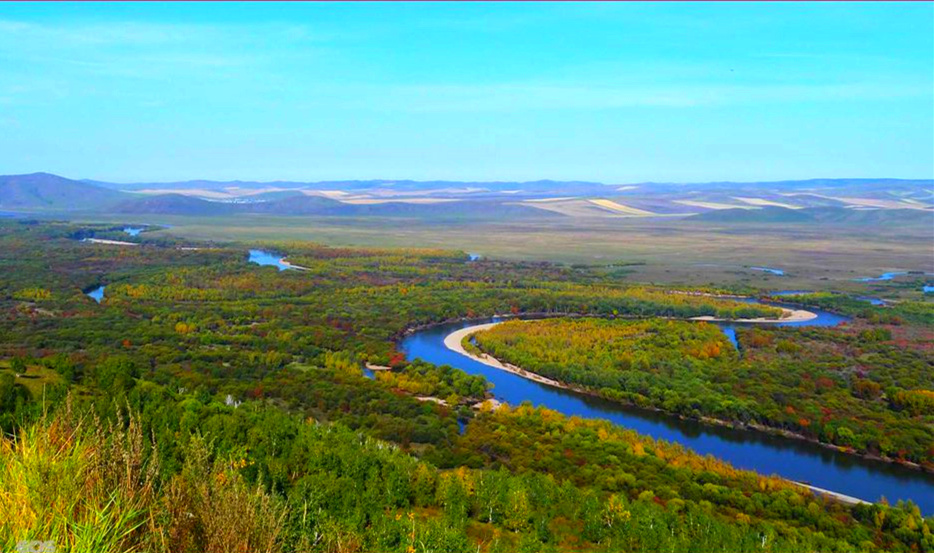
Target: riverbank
[(109, 242), (794, 315), (788, 316), (292, 265), (843, 498), (454, 342)]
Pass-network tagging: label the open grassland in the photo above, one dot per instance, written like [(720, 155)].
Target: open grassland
[(677, 251), (35, 379)]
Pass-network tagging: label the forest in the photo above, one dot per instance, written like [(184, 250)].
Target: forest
[(209, 404), (896, 312), (853, 387)]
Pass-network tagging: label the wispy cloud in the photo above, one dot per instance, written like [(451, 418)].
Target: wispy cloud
[(519, 97), (49, 59), (144, 49), (140, 33)]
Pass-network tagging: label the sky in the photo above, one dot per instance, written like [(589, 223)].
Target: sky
[(615, 93)]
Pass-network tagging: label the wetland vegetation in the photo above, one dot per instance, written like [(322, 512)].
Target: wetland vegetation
[(203, 380)]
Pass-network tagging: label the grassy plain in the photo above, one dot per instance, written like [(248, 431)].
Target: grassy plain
[(671, 251), (35, 379)]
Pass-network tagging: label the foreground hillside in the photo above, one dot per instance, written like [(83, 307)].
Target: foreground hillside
[(208, 404)]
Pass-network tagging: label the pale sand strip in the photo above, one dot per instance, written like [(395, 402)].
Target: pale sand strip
[(453, 342), (292, 266), (109, 242), (788, 316), (848, 499)]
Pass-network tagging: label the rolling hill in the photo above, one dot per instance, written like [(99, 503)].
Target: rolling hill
[(837, 201), (823, 215), (174, 204), (44, 191), (762, 215), (178, 204)]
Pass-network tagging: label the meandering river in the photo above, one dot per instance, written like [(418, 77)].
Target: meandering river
[(793, 459)]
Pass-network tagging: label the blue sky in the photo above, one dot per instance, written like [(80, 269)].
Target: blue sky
[(520, 91)]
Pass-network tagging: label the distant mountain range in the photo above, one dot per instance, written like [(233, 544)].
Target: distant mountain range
[(839, 201), (40, 191), (835, 215), (178, 204), (371, 186)]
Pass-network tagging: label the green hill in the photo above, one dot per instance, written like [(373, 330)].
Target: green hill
[(42, 191)]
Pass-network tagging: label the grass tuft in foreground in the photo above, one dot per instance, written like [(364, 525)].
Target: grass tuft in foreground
[(87, 486)]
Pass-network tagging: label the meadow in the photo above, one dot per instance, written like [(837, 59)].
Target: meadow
[(662, 250)]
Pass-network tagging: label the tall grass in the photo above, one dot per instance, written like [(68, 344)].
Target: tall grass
[(209, 508), (81, 484), (94, 487)]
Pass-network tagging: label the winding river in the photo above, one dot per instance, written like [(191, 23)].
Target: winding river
[(793, 459)]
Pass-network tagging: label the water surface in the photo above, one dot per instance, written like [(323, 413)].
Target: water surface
[(793, 459), (262, 257), (96, 294), (778, 272), (883, 276)]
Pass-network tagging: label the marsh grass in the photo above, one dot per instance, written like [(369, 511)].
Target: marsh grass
[(84, 485), (88, 486), (208, 507)]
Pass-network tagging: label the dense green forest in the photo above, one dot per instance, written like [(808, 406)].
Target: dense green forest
[(207, 404), (896, 312), (853, 387)]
